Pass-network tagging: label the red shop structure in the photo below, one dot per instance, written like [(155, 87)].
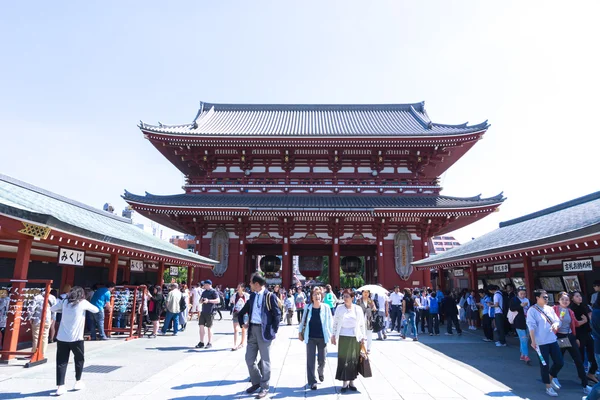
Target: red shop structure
[(313, 181), (556, 249), (46, 236)]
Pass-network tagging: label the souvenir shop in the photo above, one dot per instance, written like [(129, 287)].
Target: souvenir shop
[(556, 249)]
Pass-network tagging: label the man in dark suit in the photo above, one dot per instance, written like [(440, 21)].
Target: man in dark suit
[(263, 315)]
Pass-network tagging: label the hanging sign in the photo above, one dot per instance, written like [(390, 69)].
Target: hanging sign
[(70, 257), (578, 265), (151, 266), (173, 271), (501, 268), (459, 272), (136, 265)]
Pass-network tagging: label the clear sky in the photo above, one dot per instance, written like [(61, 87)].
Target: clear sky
[(76, 77)]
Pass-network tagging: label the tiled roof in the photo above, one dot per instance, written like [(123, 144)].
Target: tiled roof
[(311, 202), (313, 120), (27, 202), (570, 220)]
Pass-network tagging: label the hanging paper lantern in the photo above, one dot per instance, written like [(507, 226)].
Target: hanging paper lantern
[(270, 265), (351, 265)]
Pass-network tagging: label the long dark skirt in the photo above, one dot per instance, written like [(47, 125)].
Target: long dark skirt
[(348, 353)]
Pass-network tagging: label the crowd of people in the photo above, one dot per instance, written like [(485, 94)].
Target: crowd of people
[(325, 316)]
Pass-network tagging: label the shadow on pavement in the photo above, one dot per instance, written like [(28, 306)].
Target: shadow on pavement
[(503, 365), (44, 393), (207, 384), (193, 350), (169, 348)]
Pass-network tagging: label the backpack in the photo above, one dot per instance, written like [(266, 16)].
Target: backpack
[(279, 302), (505, 302), (182, 303)]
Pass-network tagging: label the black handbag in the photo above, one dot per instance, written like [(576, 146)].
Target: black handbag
[(378, 323), (364, 365)]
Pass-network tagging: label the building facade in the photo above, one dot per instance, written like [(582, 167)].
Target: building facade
[(313, 181), (555, 249)]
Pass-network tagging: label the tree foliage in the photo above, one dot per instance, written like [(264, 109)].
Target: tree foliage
[(181, 277)]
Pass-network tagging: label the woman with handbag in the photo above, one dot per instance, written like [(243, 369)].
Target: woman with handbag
[(349, 331), (315, 330), (543, 325), (566, 336), (518, 306), (584, 332), (369, 309), (240, 298)]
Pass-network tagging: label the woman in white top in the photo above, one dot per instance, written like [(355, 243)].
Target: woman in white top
[(543, 325), (349, 331), (70, 336)]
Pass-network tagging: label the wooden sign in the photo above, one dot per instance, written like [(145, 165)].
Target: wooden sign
[(578, 265), (74, 258), (459, 272), (136, 265), (501, 268), (173, 271), (151, 266)]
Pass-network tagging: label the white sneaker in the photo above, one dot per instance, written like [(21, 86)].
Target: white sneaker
[(60, 390), (587, 390), (555, 383), (79, 385), (498, 344), (551, 392)]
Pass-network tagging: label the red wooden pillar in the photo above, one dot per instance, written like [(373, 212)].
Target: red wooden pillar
[(442, 279), (127, 273), (286, 264), (528, 271), (190, 275), (426, 272), (473, 277), (242, 264), (380, 261), (161, 272), (334, 265), (113, 268), (67, 277), (13, 322)]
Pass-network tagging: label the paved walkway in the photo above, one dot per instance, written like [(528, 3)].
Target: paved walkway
[(170, 368)]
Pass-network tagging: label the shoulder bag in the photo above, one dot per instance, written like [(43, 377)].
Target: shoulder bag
[(364, 365), (564, 342), (301, 333)]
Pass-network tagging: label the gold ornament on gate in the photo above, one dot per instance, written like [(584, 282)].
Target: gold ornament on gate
[(37, 231)]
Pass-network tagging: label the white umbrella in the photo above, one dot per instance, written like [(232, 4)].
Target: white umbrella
[(374, 289)]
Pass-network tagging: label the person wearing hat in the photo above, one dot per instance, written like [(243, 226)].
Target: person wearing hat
[(208, 300)]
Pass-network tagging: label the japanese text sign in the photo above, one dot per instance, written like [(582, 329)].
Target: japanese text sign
[(71, 257)]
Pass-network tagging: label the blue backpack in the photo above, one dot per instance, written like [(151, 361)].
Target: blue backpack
[(434, 307)]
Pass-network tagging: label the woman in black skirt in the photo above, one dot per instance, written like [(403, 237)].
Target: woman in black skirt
[(155, 306), (349, 332)]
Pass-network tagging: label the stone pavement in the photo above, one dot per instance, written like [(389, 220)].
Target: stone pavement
[(171, 368)]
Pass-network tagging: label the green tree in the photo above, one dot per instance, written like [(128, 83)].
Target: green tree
[(181, 276), (324, 277)]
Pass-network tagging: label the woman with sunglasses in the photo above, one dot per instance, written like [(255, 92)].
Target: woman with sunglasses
[(543, 325), (349, 331), (566, 336), (584, 332)]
